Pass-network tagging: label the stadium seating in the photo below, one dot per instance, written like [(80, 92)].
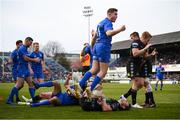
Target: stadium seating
[(167, 58), (55, 70)]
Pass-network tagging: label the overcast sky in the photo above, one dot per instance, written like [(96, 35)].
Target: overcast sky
[(63, 20)]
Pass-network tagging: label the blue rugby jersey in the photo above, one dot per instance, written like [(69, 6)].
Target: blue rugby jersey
[(67, 99), (102, 28), (15, 58), (159, 72), (37, 66), (22, 51)]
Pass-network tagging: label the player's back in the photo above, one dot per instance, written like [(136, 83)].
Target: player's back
[(14, 57), (67, 99)]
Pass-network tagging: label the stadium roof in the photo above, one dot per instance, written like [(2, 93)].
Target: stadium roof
[(156, 40)]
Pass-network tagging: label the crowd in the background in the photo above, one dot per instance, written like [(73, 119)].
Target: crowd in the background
[(119, 62), (169, 58), (164, 58), (54, 70)]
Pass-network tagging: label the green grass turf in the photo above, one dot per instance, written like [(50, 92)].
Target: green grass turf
[(168, 105)]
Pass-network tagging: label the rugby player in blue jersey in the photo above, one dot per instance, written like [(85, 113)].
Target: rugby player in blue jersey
[(102, 49), (159, 76), (37, 67), (14, 61), (23, 70)]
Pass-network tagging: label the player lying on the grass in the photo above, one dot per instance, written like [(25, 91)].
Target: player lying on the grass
[(100, 103), (70, 97), (57, 97)]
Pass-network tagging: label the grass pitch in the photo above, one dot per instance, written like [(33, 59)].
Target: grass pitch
[(168, 105)]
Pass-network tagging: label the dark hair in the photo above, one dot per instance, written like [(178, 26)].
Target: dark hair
[(18, 41), (134, 34), (111, 10), (126, 108), (86, 104), (29, 39)]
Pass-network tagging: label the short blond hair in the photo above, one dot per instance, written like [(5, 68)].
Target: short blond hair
[(146, 35)]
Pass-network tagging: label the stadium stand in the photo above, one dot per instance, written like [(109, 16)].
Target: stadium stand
[(168, 47), (7, 69), (54, 69)]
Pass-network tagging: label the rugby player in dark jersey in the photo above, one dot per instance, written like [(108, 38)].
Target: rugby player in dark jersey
[(139, 67), (102, 104)]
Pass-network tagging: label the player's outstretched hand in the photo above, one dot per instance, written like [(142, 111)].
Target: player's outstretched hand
[(154, 52), (123, 28)]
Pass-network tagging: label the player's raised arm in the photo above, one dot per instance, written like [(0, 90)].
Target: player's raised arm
[(93, 39), (116, 31), (68, 78)]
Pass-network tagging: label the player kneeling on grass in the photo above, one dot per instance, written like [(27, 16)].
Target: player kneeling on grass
[(57, 97)]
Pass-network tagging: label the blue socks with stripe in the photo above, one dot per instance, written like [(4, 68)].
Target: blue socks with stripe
[(96, 80), (32, 92), (86, 77), (14, 91)]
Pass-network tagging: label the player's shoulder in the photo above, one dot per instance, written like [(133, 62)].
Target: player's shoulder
[(40, 52), (105, 21), (14, 51), (32, 53), (22, 47)]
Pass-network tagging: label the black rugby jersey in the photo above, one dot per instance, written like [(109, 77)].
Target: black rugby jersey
[(139, 45)]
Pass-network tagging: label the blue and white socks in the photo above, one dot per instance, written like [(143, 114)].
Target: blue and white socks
[(44, 102)]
